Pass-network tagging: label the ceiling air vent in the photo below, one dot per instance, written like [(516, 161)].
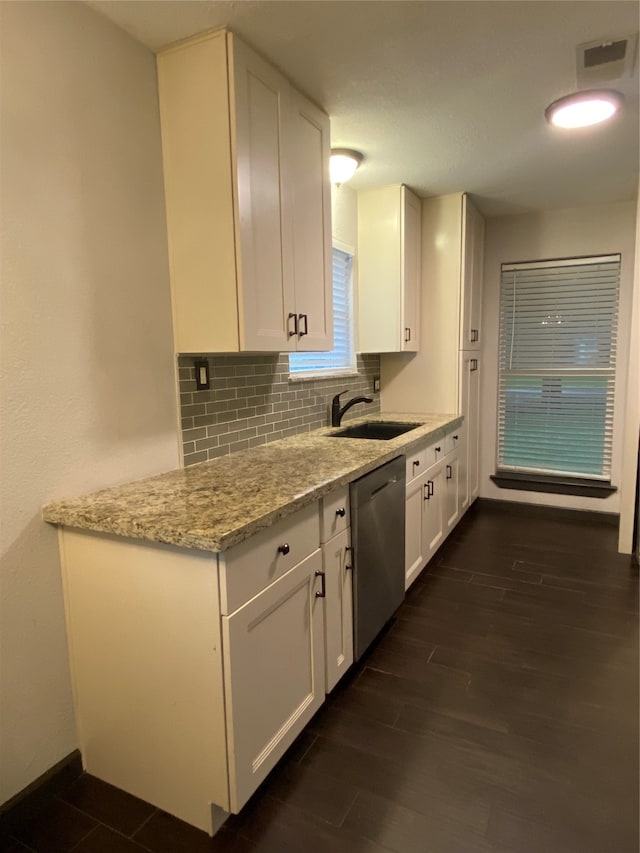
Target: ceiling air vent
[(601, 62)]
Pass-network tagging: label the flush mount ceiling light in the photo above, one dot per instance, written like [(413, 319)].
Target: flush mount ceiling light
[(343, 164), (582, 109)]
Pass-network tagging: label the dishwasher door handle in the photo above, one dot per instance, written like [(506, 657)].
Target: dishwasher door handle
[(390, 482)]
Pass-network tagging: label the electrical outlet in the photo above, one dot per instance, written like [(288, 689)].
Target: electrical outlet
[(202, 374)]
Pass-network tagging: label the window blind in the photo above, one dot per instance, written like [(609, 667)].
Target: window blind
[(557, 355), (342, 356)]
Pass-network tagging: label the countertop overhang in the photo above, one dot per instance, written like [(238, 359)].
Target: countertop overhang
[(214, 505)]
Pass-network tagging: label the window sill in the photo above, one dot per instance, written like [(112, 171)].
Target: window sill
[(554, 485)]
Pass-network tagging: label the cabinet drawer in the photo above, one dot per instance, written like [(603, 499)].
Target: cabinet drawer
[(452, 440), (334, 513), (416, 463), (435, 452), (251, 566)]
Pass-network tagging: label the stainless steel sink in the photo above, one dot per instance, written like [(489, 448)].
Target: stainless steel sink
[(376, 430)]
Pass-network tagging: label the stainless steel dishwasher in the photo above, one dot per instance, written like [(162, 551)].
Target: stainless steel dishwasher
[(377, 537)]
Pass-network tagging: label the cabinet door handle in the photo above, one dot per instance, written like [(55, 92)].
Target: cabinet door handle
[(304, 317), (455, 437), (475, 335), (347, 565), (431, 487), (295, 325), (407, 334), (341, 512), (427, 494), (449, 472), (416, 463), (474, 364), (438, 449), (323, 589), (284, 548)]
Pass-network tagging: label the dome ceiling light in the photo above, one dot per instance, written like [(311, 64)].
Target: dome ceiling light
[(584, 108), (343, 164)]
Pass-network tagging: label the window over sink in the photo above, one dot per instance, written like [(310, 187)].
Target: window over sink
[(341, 360)]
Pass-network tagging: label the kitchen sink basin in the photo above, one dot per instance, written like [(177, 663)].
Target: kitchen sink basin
[(377, 430)]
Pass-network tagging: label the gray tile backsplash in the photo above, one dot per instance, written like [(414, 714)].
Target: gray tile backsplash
[(252, 402)]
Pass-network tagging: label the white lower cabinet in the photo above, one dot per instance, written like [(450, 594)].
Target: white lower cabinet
[(451, 507), (273, 673), (335, 536), (338, 604), (194, 672), (433, 501), (433, 523)]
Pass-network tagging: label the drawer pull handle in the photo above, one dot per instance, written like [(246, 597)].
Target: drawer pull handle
[(449, 472), (341, 512), (416, 463), (284, 549), (438, 449), (455, 437), (323, 591)]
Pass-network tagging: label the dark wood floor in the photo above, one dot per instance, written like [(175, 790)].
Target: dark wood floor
[(499, 712)]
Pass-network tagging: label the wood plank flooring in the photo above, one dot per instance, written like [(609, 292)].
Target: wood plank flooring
[(498, 713)]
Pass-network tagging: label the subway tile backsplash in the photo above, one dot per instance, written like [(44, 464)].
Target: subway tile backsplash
[(252, 402)]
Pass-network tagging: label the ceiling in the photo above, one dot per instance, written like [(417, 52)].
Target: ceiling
[(442, 96)]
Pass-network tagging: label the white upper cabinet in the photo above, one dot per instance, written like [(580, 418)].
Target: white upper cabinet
[(248, 202), (472, 260), (389, 270)]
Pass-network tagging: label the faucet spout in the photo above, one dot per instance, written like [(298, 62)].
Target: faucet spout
[(337, 412)]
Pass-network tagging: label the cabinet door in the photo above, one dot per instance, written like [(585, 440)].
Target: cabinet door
[(450, 493), (338, 607), (273, 674), (470, 408), (473, 429), (472, 260), (433, 511), (308, 177), (414, 552), (260, 102), (410, 249)]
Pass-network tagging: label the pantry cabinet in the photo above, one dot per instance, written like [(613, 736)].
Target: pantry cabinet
[(439, 377), (388, 270), (246, 160)]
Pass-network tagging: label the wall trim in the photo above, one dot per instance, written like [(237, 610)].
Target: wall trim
[(50, 783)]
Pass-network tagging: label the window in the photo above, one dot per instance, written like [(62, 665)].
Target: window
[(341, 360), (557, 352)]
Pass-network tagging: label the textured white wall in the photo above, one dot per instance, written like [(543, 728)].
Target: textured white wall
[(603, 229), (88, 388)]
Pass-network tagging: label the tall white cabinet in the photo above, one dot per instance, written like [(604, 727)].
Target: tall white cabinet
[(248, 199), (443, 376)]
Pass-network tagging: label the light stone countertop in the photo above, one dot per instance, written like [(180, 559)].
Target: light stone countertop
[(214, 505)]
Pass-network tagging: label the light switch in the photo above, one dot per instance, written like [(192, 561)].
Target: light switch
[(202, 374)]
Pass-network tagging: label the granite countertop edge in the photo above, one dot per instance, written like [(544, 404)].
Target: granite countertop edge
[(215, 505)]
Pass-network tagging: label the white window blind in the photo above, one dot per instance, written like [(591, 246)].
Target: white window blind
[(557, 354), (342, 357)]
